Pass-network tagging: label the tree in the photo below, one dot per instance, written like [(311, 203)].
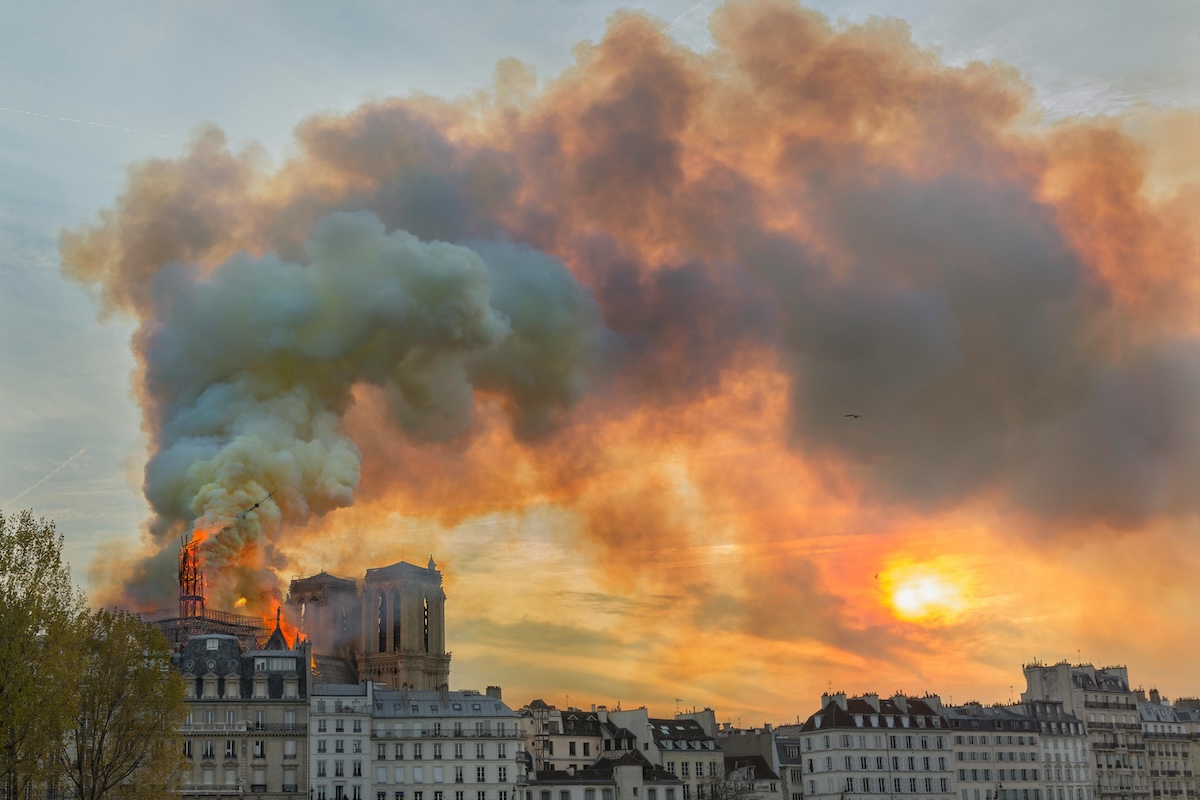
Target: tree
[(40, 614), (125, 742), (735, 784)]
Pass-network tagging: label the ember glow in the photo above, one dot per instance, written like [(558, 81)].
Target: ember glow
[(703, 375)]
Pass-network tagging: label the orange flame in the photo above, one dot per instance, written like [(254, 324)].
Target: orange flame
[(290, 632)]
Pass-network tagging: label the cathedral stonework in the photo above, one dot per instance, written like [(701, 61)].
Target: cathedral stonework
[(392, 632)]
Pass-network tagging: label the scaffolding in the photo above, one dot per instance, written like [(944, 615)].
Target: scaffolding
[(192, 618)]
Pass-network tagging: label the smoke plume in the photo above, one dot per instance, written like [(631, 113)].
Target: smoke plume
[(665, 250)]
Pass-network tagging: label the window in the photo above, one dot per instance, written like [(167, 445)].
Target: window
[(339, 746), (416, 751), (357, 725), (480, 774), (357, 769), (684, 767), (501, 750), (458, 774), (458, 750), (479, 750), (437, 751), (339, 726), (339, 769), (320, 726), (211, 644), (187, 748), (503, 775), (320, 769)]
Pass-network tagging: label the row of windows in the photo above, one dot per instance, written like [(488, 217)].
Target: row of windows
[(338, 792), (983, 739), (880, 786), (975, 755), (339, 726), (418, 773), (420, 729), (587, 748), (898, 764), (848, 742), (209, 717), (684, 771), (1001, 775), (1085, 793), (208, 748)]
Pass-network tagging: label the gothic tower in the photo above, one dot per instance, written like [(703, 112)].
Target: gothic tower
[(404, 627), (328, 612)]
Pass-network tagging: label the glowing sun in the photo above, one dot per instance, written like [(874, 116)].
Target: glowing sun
[(918, 595)]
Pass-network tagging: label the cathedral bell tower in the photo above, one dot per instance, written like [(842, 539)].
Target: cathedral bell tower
[(404, 627)]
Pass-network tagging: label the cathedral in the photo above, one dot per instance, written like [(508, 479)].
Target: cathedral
[(392, 631)]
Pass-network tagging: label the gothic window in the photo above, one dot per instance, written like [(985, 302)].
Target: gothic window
[(396, 621), (382, 622), (425, 603)]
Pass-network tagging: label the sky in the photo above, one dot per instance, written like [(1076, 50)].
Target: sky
[(577, 297)]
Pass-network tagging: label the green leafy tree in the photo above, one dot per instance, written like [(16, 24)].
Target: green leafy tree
[(125, 742), (40, 616)]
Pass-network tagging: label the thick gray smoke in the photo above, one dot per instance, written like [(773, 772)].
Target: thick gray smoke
[(250, 366)]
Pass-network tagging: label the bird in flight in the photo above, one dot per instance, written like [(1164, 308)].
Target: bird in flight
[(856, 416)]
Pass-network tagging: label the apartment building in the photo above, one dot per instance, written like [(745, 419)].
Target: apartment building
[(247, 724), (867, 746), (1102, 699)]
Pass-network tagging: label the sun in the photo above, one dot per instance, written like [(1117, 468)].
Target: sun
[(921, 593)]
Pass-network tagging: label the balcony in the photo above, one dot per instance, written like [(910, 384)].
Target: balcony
[(214, 727), (258, 788), (212, 788), (291, 787), (289, 756)]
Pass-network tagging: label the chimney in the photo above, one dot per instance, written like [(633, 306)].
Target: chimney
[(1155, 697), (872, 700), (493, 692), (900, 702)]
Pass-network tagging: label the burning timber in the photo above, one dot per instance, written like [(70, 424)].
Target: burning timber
[(193, 618)]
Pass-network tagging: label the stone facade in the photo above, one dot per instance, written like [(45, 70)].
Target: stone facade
[(246, 730)]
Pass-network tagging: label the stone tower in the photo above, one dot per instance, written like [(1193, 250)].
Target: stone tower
[(404, 627), (327, 611)]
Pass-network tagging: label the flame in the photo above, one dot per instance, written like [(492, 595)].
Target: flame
[(290, 631), (240, 603)]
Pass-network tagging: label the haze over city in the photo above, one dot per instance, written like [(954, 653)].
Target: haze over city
[(719, 354)]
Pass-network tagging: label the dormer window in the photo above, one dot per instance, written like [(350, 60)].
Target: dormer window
[(212, 644)]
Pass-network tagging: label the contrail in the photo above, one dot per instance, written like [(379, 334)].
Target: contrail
[(686, 14), (45, 477), (90, 122)]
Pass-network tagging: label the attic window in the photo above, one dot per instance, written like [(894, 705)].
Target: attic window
[(211, 644), (457, 706), (476, 707)]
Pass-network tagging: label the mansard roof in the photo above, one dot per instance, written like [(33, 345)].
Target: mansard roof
[(677, 730), (400, 703), (860, 713), (762, 770)]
